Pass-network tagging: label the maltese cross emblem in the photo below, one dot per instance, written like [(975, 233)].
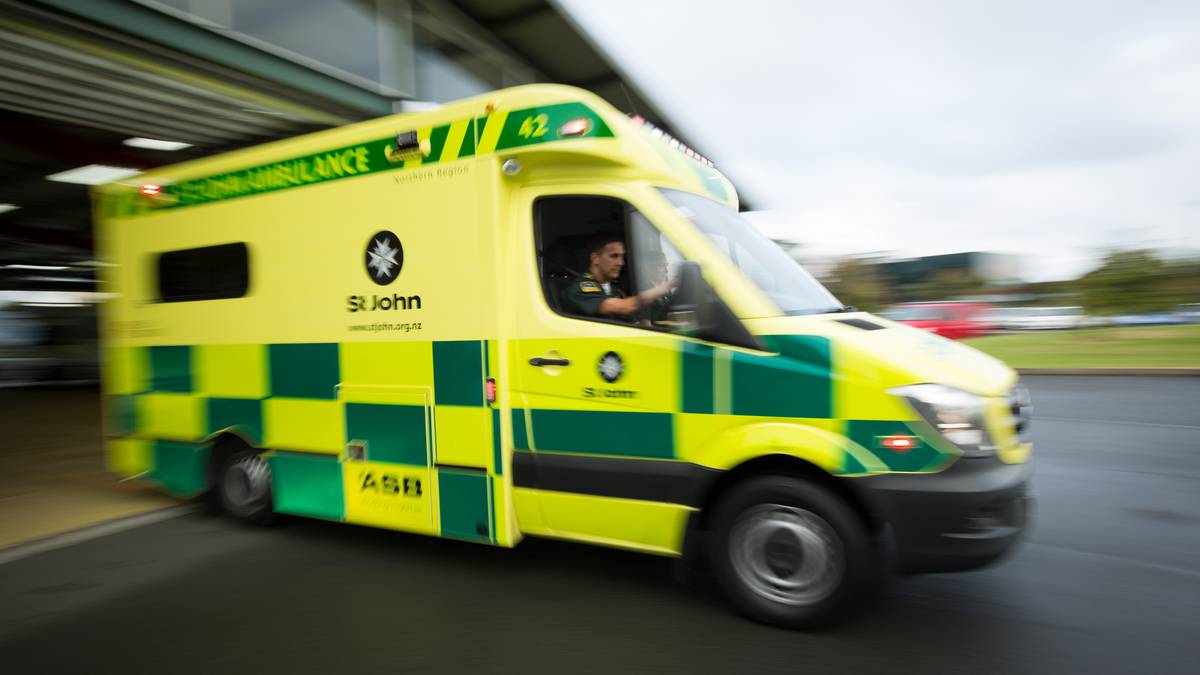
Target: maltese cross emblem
[(611, 367), (384, 257)]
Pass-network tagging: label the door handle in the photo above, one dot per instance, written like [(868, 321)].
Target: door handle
[(541, 361)]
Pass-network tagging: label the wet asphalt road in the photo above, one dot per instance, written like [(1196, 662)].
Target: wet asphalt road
[(1107, 582)]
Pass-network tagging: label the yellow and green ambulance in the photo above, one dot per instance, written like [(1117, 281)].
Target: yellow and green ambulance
[(372, 325)]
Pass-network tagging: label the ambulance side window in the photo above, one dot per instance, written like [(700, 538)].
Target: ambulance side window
[(567, 228), (206, 273)]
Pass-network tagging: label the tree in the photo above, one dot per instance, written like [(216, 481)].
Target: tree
[(1130, 282), (1181, 282), (859, 283), (946, 284)]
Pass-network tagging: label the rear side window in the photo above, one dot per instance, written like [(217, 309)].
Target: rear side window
[(208, 273)]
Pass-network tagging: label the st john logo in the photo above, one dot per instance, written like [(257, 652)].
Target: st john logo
[(384, 257), (610, 367)]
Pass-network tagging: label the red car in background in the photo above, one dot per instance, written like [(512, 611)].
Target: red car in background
[(954, 320)]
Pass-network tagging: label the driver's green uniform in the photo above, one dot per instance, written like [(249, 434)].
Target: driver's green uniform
[(584, 295)]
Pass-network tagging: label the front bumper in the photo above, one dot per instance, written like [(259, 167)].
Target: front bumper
[(962, 518)]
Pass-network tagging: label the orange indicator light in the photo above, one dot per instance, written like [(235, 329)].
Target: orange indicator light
[(899, 443)]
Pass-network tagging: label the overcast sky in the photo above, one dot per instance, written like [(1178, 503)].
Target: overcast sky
[(1054, 129)]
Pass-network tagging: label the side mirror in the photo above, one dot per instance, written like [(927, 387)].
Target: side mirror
[(714, 320), (693, 291)]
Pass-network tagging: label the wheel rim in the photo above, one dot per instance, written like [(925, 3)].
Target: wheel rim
[(787, 554), (246, 482)]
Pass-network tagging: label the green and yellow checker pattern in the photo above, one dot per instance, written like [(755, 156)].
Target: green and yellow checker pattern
[(387, 434), (717, 407), (627, 470)]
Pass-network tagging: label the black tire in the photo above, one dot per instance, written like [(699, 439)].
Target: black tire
[(243, 487), (790, 552)]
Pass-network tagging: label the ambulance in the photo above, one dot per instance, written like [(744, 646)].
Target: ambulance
[(373, 325)]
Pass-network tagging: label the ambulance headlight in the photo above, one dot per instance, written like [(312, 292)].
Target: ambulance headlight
[(958, 415)]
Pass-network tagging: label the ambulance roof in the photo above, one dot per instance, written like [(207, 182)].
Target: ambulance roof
[(507, 123)]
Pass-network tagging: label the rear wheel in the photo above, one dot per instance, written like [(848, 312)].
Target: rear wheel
[(789, 552), (243, 487)]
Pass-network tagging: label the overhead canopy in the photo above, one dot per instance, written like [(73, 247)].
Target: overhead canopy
[(78, 77), (72, 89)]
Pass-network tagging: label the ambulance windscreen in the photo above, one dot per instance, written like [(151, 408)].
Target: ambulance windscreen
[(788, 284)]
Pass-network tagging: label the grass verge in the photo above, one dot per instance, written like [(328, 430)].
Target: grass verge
[(1132, 347)]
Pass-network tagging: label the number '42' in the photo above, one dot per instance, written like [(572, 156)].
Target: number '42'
[(534, 126)]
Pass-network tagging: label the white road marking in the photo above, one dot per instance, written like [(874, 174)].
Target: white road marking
[(1170, 569), (1122, 422)]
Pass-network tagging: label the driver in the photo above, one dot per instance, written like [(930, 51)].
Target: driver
[(596, 293)]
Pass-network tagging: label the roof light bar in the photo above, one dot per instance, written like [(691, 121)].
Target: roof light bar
[(655, 132)]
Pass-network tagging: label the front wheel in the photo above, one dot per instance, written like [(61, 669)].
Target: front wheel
[(244, 487), (789, 552)]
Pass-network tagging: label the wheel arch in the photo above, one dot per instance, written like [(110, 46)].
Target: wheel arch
[(221, 445), (699, 521)]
